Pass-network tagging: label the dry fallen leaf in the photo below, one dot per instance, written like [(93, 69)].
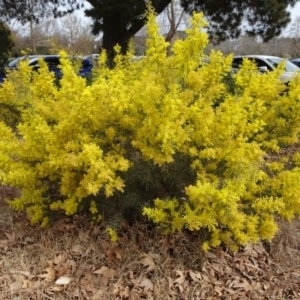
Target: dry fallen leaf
[(107, 273), (62, 270), (17, 284), (72, 265), (89, 249), (28, 240), (240, 283), (84, 235), (78, 249), (50, 272), (63, 281), (181, 278), (116, 290), (119, 253), (111, 255), (60, 258), (54, 289), (25, 273), (11, 237), (33, 285), (87, 285), (196, 276), (147, 284), (133, 295), (147, 260), (125, 293), (99, 295)]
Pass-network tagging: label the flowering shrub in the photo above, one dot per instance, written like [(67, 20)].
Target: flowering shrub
[(169, 126)]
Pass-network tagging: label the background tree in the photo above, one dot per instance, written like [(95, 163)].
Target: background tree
[(120, 20), (294, 34), (34, 10), (77, 34), (6, 44), (70, 33), (230, 18), (172, 21)]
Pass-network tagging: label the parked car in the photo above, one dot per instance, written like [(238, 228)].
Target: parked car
[(92, 57), (295, 61), (2, 75), (267, 63), (14, 62), (53, 63)]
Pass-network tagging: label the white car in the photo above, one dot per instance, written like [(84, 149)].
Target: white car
[(268, 63)]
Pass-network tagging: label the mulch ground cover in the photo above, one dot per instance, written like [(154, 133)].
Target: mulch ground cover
[(74, 259)]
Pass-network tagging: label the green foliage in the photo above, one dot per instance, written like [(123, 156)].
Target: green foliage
[(167, 135), (6, 44), (265, 18)]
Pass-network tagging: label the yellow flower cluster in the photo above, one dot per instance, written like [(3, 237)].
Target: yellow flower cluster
[(69, 146), (112, 234)]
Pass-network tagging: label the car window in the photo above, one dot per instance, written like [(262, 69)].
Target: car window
[(86, 64), (260, 63), (52, 62), (297, 63), (237, 62), (289, 67), (14, 63)]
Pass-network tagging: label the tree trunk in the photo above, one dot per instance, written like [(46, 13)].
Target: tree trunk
[(114, 35), (116, 29), (32, 39)]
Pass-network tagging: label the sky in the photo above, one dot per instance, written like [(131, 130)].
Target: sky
[(296, 10)]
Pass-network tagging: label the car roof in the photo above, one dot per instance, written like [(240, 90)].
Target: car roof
[(13, 63), (32, 58), (37, 57), (43, 56), (92, 56), (257, 56)]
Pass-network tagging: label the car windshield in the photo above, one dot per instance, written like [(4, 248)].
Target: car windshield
[(289, 67), (14, 63)]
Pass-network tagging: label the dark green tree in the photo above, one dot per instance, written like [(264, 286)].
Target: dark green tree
[(229, 18), (6, 44), (119, 20), (33, 10)]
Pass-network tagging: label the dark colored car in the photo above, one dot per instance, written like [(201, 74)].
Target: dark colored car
[(2, 75), (295, 61), (53, 63)]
